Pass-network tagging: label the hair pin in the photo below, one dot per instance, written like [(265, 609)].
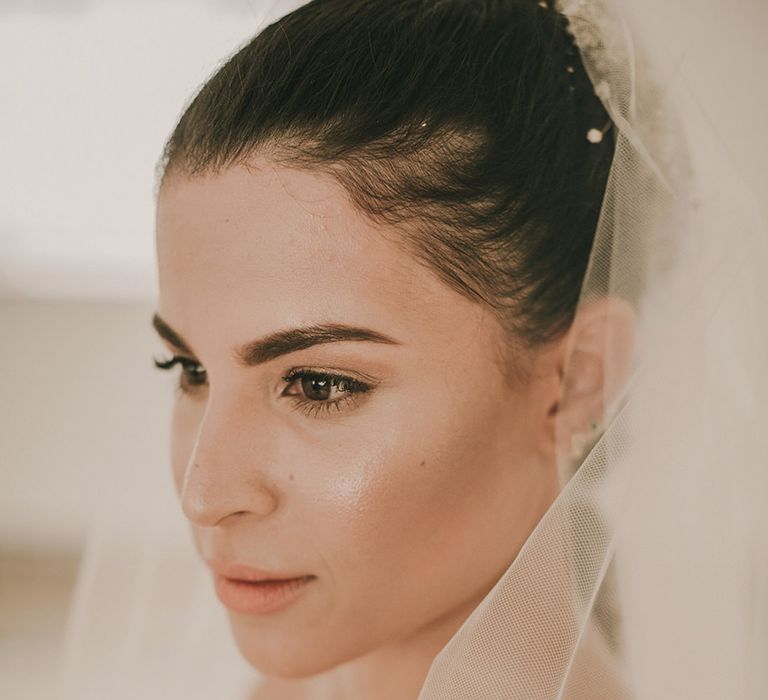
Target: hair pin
[(596, 135)]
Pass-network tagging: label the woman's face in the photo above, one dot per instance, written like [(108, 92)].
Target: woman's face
[(405, 483)]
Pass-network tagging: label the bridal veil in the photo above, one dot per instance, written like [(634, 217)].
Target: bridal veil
[(647, 577)]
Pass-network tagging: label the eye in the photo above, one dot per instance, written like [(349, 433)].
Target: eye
[(323, 392), (193, 374)]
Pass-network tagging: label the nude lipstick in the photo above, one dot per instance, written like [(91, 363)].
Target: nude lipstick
[(257, 592)]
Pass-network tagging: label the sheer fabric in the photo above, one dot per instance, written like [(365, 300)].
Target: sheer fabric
[(646, 578)]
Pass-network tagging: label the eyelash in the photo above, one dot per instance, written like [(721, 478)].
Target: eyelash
[(193, 377), (313, 407)]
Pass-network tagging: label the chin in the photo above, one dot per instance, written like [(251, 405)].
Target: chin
[(288, 659)]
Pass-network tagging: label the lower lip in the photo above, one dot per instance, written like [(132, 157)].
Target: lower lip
[(259, 597)]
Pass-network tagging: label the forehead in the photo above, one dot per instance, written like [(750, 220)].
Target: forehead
[(254, 250)]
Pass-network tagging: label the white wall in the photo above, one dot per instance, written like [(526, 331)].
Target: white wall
[(83, 409)]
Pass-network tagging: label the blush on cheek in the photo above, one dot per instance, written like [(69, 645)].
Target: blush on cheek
[(398, 518)]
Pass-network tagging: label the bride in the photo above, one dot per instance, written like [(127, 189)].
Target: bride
[(437, 277), (372, 229)]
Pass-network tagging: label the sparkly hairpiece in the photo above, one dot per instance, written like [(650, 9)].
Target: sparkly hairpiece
[(603, 54), (628, 84)]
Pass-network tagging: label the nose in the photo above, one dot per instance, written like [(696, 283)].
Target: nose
[(225, 473)]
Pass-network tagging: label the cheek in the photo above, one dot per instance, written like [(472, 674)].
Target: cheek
[(436, 499)]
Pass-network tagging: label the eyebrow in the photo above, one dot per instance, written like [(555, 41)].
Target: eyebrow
[(257, 352)]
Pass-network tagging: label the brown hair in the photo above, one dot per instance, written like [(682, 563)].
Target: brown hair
[(465, 120)]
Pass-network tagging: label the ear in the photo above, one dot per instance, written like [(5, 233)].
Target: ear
[(593, 361)]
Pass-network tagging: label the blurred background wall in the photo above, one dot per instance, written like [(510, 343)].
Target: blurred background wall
[(88, 93), (89, 90)]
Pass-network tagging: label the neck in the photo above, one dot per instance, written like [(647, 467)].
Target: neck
[(397, 670)]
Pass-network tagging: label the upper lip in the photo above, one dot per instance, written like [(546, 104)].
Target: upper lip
[(241, 572)]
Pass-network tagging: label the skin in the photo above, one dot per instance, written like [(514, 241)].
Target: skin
[(410, 501)]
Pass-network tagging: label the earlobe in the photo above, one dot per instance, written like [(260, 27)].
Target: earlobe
[(594, 363)]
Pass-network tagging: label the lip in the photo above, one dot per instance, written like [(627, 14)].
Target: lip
[(253, 591)]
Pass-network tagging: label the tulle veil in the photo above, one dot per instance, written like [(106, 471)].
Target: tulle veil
[(647, 579)]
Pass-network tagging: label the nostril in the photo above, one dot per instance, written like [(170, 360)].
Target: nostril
[(262, 501)]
